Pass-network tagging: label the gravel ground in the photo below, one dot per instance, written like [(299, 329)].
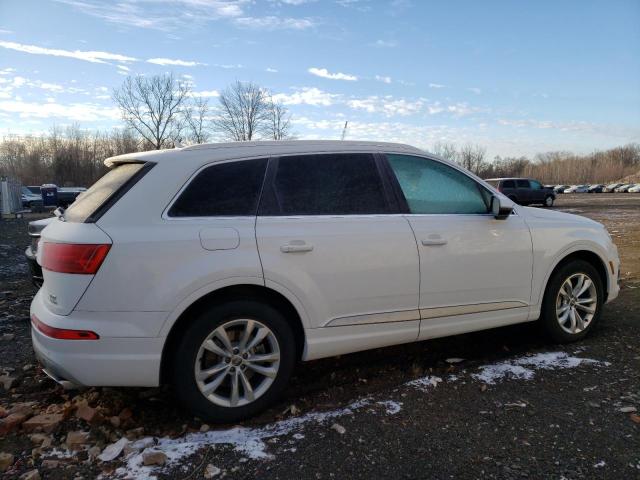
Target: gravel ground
[(503, 403)]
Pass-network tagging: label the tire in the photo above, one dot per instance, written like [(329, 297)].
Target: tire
[(548, 201), (559, 328), (191, 357)]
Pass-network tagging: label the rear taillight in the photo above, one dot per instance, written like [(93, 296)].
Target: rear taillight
[(63, 333), (73, 258)]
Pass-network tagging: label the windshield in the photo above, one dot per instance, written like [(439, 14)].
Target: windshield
[(92, 199)]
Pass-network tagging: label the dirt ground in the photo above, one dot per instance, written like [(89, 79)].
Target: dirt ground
[(504, 403)]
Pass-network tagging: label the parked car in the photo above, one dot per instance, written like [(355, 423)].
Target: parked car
[(66, 195), (577, 189), (215, 268), (35, 228), (623, 188), (30, 199), (611, 187), (597, 188), (560, 188), (634, 189), (524, 191)]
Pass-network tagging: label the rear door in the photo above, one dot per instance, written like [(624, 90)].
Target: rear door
[(524, 191), (329, 233)]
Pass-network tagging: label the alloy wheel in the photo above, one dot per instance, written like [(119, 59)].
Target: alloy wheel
[(576, 303), (237, 363)]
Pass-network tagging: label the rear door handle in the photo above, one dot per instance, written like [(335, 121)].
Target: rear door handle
[(296, 246), (433, 240)]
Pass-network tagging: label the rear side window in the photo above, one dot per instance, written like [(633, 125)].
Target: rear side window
[(89, 202), (223, 190), (522, 183), (508, 184), (431, 187), (326, 184)]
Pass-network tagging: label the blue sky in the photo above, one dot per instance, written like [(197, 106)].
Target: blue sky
[(516, 77)]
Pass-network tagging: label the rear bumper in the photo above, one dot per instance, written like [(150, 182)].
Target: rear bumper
[(108, 361)]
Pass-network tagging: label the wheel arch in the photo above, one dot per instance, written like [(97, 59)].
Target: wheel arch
[(588, 256), (228, 293)]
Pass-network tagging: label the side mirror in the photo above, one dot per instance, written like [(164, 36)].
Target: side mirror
[(500, 212)]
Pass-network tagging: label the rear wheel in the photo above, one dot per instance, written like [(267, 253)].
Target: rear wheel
[(572, 302), (233, 361)]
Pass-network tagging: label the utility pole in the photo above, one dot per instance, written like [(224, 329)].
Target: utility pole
[(344, 130)]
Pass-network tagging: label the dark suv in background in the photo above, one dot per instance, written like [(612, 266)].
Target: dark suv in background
[(524, 191)]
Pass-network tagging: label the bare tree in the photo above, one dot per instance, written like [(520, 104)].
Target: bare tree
[(196, 121), (471, 157), (446, 150), (277, 125), (243, 109), (153, 107)]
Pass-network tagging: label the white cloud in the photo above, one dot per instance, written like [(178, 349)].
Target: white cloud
[(206, 93), (229, 66), (173, 62), (475, 90), (385, 43), (307, 96), (388, 106), (462, 109), (324, 73), (274, 23), (383, 79), (436, 85), (123, 68), (82, 112), (271, 70), (88, 56)]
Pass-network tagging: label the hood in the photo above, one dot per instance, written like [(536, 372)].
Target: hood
[(554, 215)]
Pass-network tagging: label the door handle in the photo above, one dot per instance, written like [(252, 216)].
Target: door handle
[(296, 246), (433, 240)]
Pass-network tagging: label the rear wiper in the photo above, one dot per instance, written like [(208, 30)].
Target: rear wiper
[(59, 213)]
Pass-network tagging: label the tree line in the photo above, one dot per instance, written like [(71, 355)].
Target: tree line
[(163, 112)]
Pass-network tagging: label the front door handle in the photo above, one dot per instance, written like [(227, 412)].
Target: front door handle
[(296, 246), (433, 240)]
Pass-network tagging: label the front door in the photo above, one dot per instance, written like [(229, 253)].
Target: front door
[(470, 263)]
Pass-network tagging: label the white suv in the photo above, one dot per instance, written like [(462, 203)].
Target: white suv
[(215, 268)]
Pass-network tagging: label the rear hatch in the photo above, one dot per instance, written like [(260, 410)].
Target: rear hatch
[(72, 248)]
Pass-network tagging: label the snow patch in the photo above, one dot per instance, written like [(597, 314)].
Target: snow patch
[(524, 368), (424, 383), (247, 441)]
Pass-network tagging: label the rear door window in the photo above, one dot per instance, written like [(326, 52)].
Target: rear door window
[(230, 189), (86, 205), (508, 184), (326, 184)]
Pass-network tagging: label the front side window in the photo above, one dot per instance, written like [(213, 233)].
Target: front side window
[(326, 184), (431, 187), (536, 185), (223, 190)]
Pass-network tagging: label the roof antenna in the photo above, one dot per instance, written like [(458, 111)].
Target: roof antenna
[(344, 130)]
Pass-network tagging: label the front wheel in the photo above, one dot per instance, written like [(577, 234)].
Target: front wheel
[(234, 361), (548, 201), (572, 302)]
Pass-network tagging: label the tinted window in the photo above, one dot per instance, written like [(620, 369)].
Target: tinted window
[(226, 189), (522, 183), (433, 187), (331, 184), (101, 191), (508, 184), (535, 185)]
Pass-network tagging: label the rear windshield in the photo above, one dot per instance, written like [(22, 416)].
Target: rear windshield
[(99, 193)]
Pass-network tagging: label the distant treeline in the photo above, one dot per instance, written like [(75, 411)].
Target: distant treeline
[(74, 157)]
